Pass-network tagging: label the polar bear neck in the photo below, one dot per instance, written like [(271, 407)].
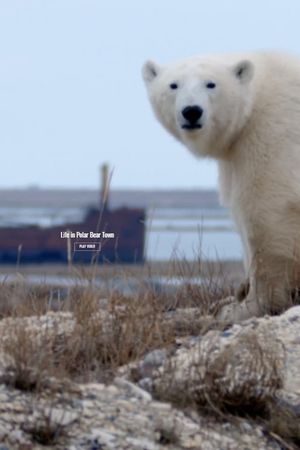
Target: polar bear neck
[(270, 135)]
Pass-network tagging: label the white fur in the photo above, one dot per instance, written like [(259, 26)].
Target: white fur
[(251, 126)]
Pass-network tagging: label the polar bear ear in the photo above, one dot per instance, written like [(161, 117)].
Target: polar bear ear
[(150, 71), (244, 71)]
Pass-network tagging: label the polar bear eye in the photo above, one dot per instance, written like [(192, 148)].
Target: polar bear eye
[(210, 85), (173, 85)]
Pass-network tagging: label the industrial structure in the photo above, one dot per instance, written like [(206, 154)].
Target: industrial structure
[(104, 235)]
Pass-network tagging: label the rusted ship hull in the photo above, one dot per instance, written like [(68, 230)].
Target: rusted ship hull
[(125, 244)]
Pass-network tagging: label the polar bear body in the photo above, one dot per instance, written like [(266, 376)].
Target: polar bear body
[(244, 111)]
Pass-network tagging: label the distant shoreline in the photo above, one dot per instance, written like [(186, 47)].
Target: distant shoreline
[(142, 198)]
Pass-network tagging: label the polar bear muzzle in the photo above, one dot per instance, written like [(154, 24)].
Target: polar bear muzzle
[(192, 114)]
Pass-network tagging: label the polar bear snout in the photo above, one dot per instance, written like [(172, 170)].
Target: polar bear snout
[(192, 114)]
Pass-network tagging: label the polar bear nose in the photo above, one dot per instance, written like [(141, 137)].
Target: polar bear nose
[(192, 113)]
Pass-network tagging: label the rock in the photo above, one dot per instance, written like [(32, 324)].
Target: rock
[(61, 417), (116, 417), (152, 361), (247, 364), (133, 388), (253, 364)]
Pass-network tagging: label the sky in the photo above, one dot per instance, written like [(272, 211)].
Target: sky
[(72, 95)]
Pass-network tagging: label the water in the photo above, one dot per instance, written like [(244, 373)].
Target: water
[(42, 216), (190, 233)]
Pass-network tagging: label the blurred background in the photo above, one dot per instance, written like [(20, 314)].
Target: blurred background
[(72, 97)]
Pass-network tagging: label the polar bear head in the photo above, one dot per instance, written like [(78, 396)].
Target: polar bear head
[(203, 102)]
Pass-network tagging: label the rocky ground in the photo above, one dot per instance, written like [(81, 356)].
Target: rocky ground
[(109, 374)]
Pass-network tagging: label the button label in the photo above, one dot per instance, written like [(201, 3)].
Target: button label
[(87, 247)]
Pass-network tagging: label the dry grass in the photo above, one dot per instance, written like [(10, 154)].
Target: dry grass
[(31, 359), (104, 337), (111, 333), (98, 346), (284, 422)]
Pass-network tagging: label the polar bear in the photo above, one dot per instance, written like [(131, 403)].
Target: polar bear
[(243, 110)]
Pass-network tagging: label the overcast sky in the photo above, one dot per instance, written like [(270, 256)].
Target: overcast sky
[(71, 93)]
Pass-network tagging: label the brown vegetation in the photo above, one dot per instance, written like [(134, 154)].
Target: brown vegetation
[(107, 333)]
